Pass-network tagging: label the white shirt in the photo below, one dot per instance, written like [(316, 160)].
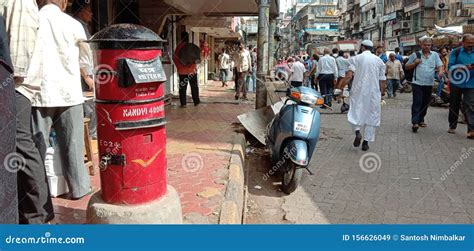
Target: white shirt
[(57, 59), (224, 61), (22, 22), (327, 65), (342, 66), (243, 61), (365, 92), (297, 71)]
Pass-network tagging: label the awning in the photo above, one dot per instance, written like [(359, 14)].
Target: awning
[(222, 8), (221, 27)]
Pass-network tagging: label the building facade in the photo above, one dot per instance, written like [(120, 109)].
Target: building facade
[(395, 23), (312, 21)]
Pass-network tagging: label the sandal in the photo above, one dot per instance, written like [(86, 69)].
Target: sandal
[(423, 124), (415, 127)]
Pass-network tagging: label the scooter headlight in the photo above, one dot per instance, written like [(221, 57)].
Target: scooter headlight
[(308, 99)]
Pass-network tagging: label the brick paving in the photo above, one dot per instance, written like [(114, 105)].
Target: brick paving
[(199, 143), (411, 185)]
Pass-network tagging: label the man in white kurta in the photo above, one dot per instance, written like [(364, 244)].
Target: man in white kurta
[(366, 94)]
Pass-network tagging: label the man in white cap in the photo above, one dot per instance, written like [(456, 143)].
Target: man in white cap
[(367, 90)]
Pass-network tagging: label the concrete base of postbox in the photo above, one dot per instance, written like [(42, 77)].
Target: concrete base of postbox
[(166, 210)]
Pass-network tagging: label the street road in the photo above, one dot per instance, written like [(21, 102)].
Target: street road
[(426, 177)]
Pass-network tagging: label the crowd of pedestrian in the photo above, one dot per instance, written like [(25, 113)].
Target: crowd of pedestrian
[(371, 76)]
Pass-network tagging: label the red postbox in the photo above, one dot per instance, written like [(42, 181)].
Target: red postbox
[(130, 114)]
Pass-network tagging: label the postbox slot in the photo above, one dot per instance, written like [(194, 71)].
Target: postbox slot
[(131, 125), (132, 72)]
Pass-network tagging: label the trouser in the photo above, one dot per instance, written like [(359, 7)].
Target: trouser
[(326, 82), (392, 87), (223, 75), (421, 101), (34, 201), (296, 83), (236, 78), (69, 127), (251, 81), (241, 86), (192, 80), (367, 131), (89, 112), (455, 99), (439, 89), (314, 83), (467, 96), (254, 78)]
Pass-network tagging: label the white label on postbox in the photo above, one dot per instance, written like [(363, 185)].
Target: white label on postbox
[(140, 112), (146, 71)]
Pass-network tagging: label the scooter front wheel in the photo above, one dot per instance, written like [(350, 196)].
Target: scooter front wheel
[(292, 174)]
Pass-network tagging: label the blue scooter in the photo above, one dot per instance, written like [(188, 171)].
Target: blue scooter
[(293, 133)]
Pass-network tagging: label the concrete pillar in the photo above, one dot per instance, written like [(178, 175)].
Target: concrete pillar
[(271, 45), (262, 52)]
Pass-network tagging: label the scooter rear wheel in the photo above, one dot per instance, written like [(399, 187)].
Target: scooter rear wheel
[(291, 177)]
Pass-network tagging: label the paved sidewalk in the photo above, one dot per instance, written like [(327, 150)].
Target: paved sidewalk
[(199, 143)]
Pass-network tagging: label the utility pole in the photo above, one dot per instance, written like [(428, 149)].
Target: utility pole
[(382, 22), (271, 44), (262, 52)]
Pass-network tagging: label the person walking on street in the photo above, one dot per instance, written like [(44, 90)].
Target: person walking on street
[(462, 60), (335, 52), (342, 68), (224, 65), (312, 72), (326, 73), (187, 71), (82, 12), (394, 75), (444, 56), (367, 90), (251, 81), (398, 55), (243, 65), (56, 66), (34, 201), (381, 53), (425, 63), (297, 72)]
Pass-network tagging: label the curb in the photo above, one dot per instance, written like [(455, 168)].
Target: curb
[(233, 206)]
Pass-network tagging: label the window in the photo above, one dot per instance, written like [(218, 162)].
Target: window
[(416, 24)]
